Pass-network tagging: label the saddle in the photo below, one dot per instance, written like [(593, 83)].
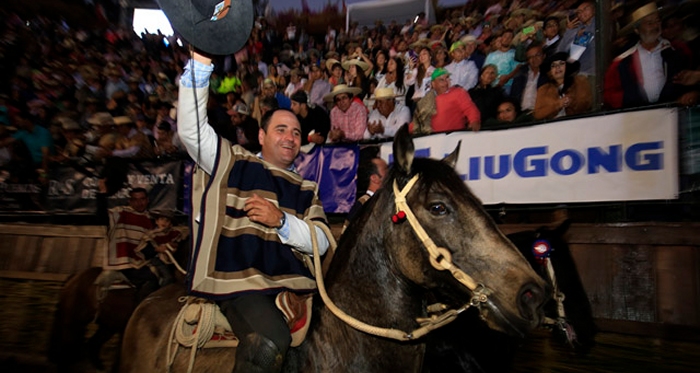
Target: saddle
[(201, 323)]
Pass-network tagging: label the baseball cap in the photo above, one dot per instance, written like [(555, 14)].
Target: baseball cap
[(440, 71)]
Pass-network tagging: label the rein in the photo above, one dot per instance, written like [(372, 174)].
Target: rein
[(440, 258)]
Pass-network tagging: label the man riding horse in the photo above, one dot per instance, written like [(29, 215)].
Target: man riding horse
[(249, 229)]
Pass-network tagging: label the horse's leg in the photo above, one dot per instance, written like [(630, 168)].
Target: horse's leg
[(95, 343)]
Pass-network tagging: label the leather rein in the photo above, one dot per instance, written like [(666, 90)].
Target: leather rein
[(440, 259)]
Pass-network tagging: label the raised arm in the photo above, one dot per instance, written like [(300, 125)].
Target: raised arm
[(198, 137)]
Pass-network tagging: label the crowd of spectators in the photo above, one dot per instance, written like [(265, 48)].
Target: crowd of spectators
[(85, 97)]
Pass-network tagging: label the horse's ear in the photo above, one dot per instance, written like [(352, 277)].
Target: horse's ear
[(453, 157), (403, 149)]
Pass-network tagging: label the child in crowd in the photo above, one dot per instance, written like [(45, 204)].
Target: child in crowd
[(157, 243)]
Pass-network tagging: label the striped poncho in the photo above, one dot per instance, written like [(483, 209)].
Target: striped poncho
[(233, 255)]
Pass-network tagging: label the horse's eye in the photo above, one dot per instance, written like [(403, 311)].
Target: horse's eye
[(438, 208)]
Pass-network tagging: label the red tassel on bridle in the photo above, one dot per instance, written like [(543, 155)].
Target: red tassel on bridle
[(399, 217)]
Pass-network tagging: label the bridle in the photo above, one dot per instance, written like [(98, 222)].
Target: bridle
[(440, 259)]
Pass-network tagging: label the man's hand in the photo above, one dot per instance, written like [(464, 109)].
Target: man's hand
[(375, 127), (262, 211), (475, 126), (336, 135), (687, 77)]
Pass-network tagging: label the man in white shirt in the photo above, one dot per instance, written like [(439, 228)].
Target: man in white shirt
[(463, 73), (388, 117)]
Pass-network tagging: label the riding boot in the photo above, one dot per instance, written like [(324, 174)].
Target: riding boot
[(257, 354)]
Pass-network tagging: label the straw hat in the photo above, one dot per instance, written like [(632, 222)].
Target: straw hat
[(384, 94), (637, 15), (101, 119), (340, 89), (122, 120), (359, 63), (330, 62)]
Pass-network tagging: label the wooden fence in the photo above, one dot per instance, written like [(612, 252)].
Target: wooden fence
[(641, 278)]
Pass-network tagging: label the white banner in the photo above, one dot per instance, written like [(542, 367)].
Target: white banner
[(619, 157)]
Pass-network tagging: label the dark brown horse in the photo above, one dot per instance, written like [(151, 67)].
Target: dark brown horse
[(381, 274), (81, 303), (449, 351)]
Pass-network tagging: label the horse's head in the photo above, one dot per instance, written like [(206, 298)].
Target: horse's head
[(448, 244)]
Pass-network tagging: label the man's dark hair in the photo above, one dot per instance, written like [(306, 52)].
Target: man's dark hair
[(366, 168), (138, 190), (265, 121), (533, 45)]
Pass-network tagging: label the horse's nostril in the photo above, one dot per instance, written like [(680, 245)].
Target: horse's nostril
[(530, 299)]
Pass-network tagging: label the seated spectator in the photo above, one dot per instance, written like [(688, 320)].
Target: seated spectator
[(485, 95), (315, 122), (552, 35), (504, 59), (388, 117), (454, 109), (37, 140), (529, 78), (72, 144), (296, 82), (644, 74), (244, 129), (422, 73), (508, 112), (335, 72), (463, 73), (355, 75), (168, 143), (269, 91), (471, 53), (348, 116), (394, 77), (130, 143), (566, 93), (317, 87)]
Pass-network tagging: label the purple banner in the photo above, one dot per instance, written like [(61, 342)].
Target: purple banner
[(334, 168)]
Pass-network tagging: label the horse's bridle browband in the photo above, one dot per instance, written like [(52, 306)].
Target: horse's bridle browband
[(440, 258)]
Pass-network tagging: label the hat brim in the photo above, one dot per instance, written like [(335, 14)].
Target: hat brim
[(637, 15), (354, 90), (221, 37), (361, 64)]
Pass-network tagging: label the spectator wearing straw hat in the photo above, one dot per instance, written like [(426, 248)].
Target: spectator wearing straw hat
[(644, 74), (388, 117), (348, 116), (315, 122), (296, 82)]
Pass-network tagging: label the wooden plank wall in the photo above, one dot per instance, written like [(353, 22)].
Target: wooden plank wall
[(49, 252), (640, 278)]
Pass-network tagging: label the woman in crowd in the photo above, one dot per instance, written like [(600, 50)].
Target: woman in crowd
[(355, 75), (422, 73), (380, 62), (394, 78), (485, 95), (440, 54), (566, 93)]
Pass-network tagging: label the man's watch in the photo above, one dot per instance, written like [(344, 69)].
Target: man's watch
[(283, 220)]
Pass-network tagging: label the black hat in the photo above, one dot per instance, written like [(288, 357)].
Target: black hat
[(572, 67), (214, 26)]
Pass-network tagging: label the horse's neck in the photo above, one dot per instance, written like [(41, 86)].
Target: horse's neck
[(366, 288)]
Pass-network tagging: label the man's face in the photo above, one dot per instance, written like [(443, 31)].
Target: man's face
[(385, 106), (458, 54), (585, 12), (343, 102), (535, 57), (506, 39), (488, 75), (268, 90), (551, 29), (649, 28), (138, 201), (296, 107), (282, 140), (441, 84), (382, 169), (469, 48), (237, 118)]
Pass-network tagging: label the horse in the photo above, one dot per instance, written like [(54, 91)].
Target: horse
[(82, 302), (450, 351), (423, 232)]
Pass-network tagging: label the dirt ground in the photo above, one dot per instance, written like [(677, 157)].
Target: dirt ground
[(27, 307)]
